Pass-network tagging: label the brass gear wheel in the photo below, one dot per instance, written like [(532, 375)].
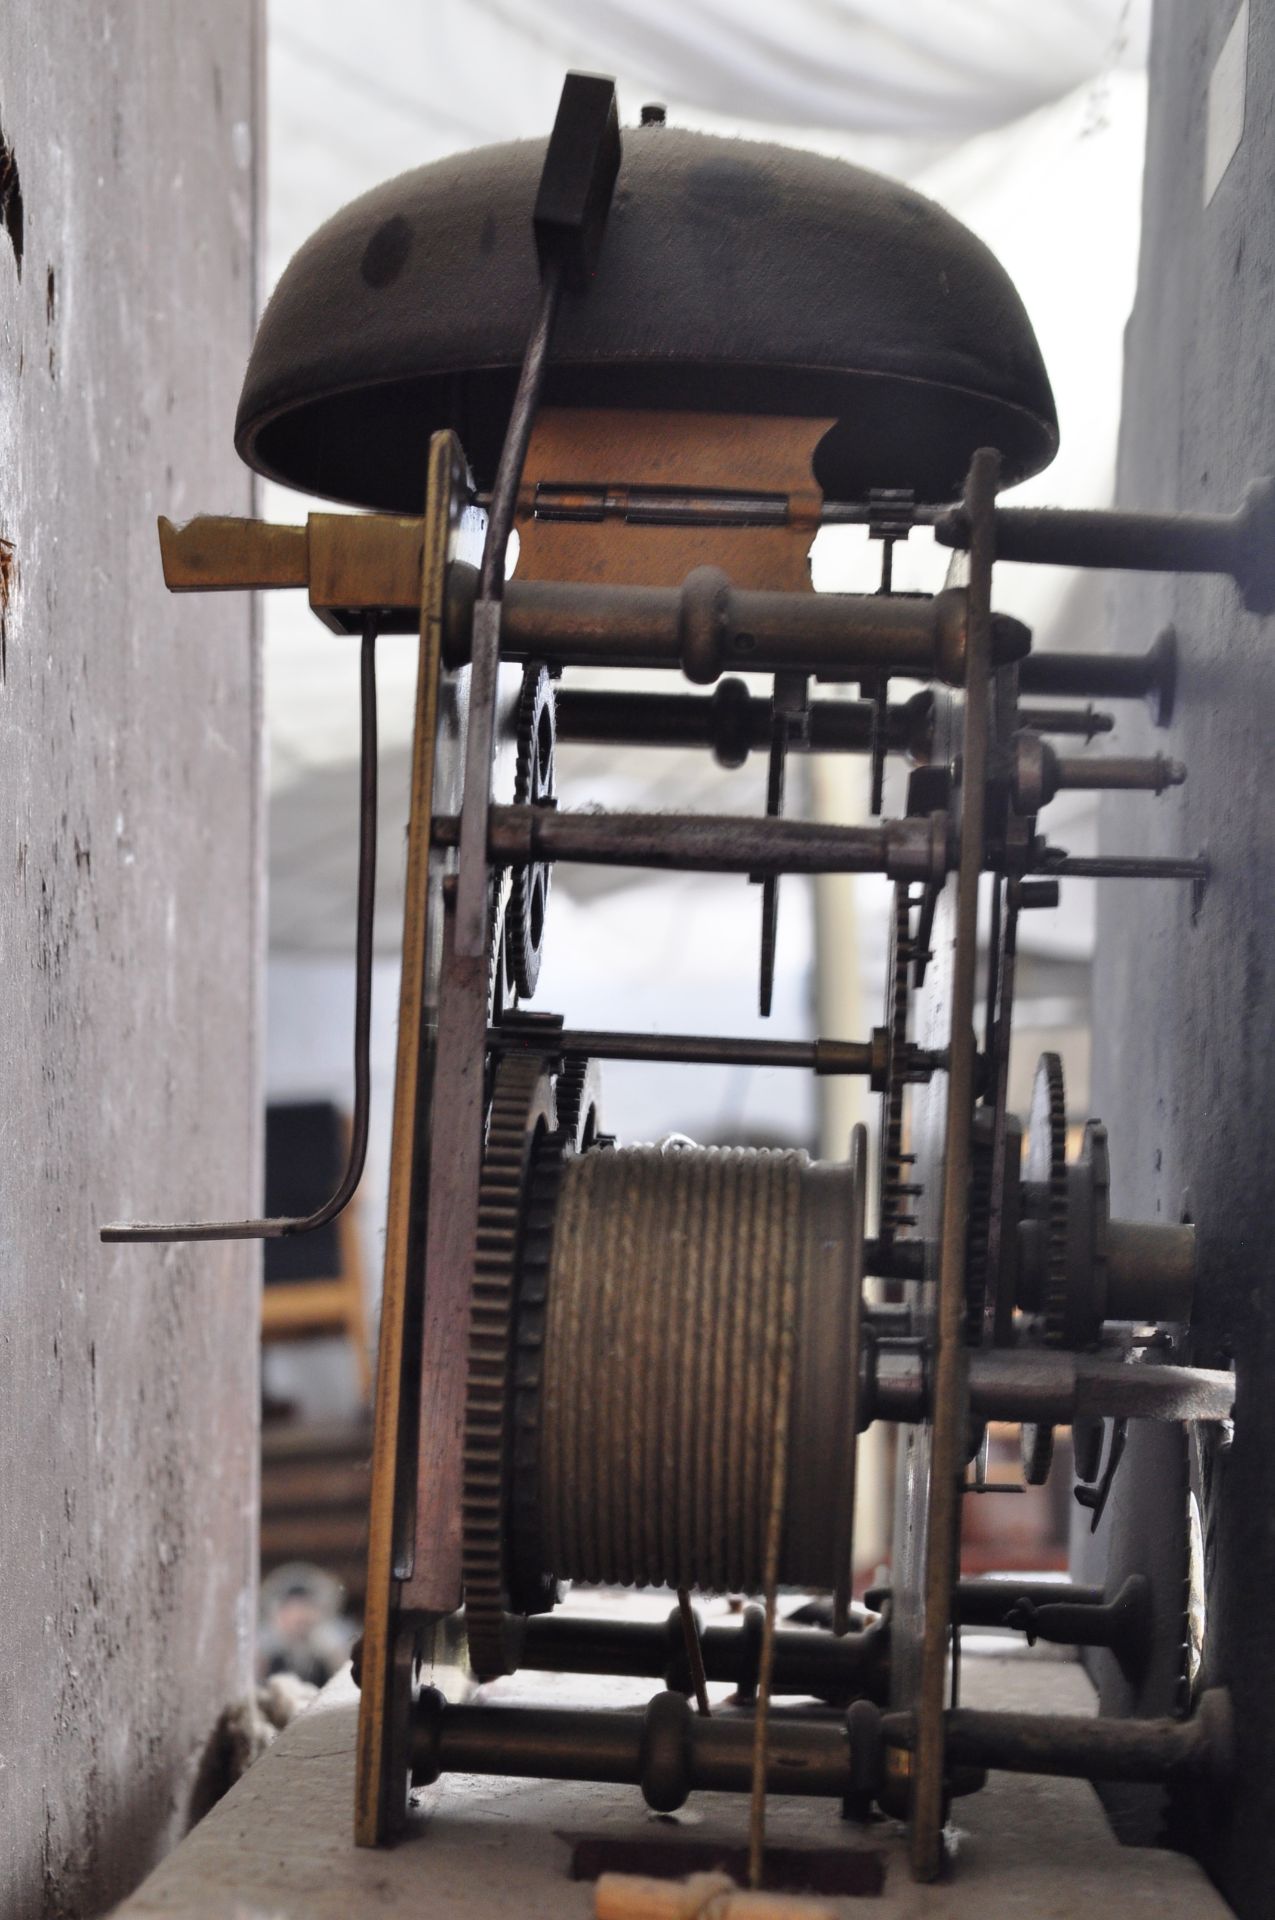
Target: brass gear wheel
[(1045, 1166), (576, 1096), (579, 1095), (522, 1115), (533, 787), (893, 1212), (499, 990), (531, 1589)]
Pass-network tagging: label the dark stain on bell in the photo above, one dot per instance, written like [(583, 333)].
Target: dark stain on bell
[(487, 237), (11, 217), (385, 254)]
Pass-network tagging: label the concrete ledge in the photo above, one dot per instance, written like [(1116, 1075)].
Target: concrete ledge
[(278, 1847)]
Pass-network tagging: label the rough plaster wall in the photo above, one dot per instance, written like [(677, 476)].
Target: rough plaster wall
[(1184, 1003), (129, 873)]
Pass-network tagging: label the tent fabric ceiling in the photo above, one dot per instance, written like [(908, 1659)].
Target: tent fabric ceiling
[(933, 68)]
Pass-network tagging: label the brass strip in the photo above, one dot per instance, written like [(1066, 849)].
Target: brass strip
[(950, 1396), (612, 451), (372, 1788), (214, 552), (364, 560), (351, 563)]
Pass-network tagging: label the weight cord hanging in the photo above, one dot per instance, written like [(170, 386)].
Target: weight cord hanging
[(774, 1535)]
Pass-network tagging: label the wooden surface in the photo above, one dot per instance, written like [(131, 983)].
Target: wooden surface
[(130, 894), (280, 1844), (315, 1485)]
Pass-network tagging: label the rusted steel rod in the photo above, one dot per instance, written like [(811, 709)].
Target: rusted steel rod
[(894, 1260), (1050, 1387), (815, 1056), (667, 507), (1122, 1624), (912, 849), (735, 723), (807, 1659), (1038, 772), (1098, 537), (668, 1751), (1087, 1747), (1062, 1387), (1101, 676), (706, 626), (1236, 543), (1086, 721), (987, 1602), (1120, 866), (1151, 1270), (1128, 773), (909, 848)]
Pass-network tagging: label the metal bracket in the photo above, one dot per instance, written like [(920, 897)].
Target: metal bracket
[(286, 1225)]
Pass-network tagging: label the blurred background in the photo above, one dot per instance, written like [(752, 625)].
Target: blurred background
[(1025, 122)]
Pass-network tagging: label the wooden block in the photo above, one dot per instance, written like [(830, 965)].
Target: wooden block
[(705, 1896)]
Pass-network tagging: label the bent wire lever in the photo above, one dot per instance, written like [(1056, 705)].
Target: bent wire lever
[(279, 1228)]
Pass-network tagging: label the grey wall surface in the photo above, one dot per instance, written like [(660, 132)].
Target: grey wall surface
[(1184, 1003), (129, 920)]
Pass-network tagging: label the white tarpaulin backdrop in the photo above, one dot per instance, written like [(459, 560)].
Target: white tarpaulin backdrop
[(934, 69)]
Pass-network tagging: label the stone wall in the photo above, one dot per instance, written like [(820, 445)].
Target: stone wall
[(130, 919)]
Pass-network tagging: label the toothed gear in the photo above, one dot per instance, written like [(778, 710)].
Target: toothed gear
[(578, 1093), (894, 1215), (1046, 1166), (522, 1111), (531, 1588), (498, 995), (533, 787), (576, 1097), (1094, 1163)]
